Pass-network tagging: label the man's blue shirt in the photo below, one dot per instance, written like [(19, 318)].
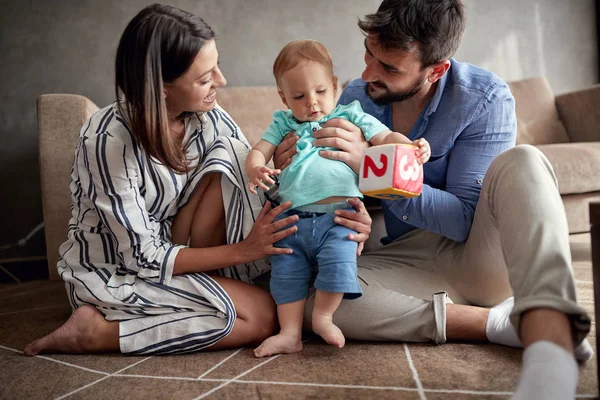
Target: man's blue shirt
[(469, 121)]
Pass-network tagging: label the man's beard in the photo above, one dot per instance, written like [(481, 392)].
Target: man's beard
[(394, 97)]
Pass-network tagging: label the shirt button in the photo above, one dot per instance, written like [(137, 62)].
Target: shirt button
[(480, 181), (404, 217), (314, 129)]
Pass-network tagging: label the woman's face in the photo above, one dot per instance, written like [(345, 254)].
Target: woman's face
[(195, 90)]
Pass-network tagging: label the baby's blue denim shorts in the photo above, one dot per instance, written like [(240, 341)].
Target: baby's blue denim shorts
[(319, 242)]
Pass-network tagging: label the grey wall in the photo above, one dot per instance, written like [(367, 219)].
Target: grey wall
[(68, 46)]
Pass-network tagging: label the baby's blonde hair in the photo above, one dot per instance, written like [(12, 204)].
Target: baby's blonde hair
[(301, 50)]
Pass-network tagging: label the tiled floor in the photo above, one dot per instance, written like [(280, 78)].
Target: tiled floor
[(358, 371)]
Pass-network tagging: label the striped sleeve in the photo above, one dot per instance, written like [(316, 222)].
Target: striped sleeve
[(233, 129), (113, 189)]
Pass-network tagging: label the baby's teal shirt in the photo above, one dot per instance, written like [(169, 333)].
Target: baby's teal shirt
[(310, 177)]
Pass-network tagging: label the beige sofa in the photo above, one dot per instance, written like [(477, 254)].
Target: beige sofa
[(565, 128)]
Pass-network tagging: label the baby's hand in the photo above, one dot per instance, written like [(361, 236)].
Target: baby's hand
[(259, 175), (423, 152)]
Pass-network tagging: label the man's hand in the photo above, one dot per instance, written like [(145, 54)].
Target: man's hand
[(285, 151), (359, 221), (343, 135)]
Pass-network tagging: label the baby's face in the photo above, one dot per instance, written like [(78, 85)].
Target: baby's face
[(308, 90)]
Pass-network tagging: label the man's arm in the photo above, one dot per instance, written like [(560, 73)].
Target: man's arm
[(450, 211)]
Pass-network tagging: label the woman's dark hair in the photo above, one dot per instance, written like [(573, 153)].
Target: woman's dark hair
[(436, 26), (158, 46)]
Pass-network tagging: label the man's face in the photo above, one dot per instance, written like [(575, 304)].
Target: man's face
[(391, 76)]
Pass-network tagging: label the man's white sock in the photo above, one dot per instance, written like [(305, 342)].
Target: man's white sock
[(500, 330), (549, 372)]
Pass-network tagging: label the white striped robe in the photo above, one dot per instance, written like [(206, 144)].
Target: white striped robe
[(118, 255)]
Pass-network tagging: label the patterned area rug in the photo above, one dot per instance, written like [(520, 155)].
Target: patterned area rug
[(358, 371)]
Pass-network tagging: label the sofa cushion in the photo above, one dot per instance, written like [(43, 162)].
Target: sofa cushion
[(537, 117), (251, 108), (576, 165), (60, 117), (580, 114)]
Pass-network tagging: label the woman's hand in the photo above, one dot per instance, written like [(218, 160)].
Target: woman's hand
[(344, 136), (359, 221), (265, 232), (285, 151)]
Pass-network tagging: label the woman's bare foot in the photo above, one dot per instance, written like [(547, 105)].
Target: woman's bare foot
[(278, 344), (86, 331), (323, 326)]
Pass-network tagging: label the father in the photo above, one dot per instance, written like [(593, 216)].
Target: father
[(490, 220)]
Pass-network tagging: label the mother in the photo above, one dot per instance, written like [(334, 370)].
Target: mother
[(160, 166)]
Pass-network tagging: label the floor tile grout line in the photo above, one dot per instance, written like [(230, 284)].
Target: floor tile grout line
[(33, 309), (398, 388), (101, 379), (332, 385), (176, 378), (237, 377), (220, 363), (414, 373), (57, 361), (244, 373), (72, 365)]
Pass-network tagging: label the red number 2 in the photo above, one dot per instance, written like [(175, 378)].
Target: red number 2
[(370, 165)]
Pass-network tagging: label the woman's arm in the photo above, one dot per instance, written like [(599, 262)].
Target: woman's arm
[(258, 244)]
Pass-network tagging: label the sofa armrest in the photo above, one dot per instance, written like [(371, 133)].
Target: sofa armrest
[(60, 118), (580, 114)]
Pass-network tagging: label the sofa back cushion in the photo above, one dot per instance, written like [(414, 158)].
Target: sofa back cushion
[(251, 108), (537, 117), (60, 117)]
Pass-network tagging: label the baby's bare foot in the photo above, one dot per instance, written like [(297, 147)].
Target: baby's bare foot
[(278, 344), (323, 326)]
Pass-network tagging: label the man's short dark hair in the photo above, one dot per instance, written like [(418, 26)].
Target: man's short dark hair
[(436, 26)]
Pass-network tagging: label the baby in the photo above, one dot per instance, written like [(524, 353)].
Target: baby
[(317, 187)]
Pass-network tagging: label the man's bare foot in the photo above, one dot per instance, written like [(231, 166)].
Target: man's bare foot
[(323, 326), (279, 344), (86, 331)]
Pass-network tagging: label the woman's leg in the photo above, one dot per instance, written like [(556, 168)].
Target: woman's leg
[(87, 331), (256, 318), (202, 216)]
